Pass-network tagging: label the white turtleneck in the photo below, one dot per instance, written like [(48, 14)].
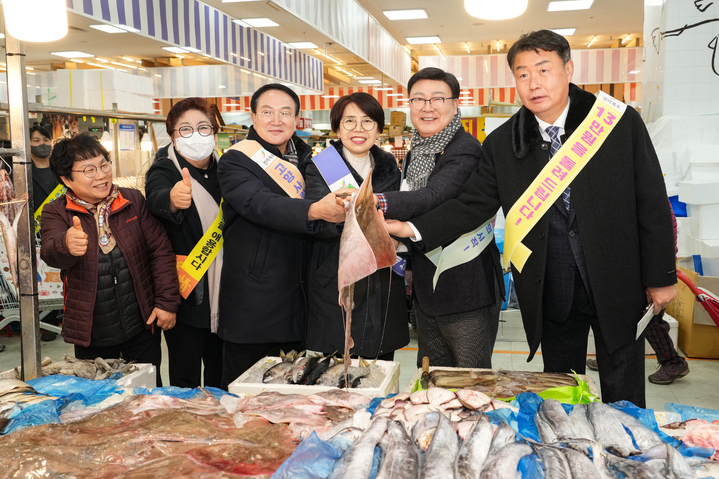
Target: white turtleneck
[(361, 164)]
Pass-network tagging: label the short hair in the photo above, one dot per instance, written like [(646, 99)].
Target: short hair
[(77, 148), (274, 86), (365, 102), (183, 106), (437, 74), (43, 131), (546, 40)]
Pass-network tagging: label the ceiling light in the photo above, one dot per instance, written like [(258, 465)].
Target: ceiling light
[(385, 89), (371, 82), (158, 75), (128, 28), (76, 60), (146, 143), (565, 5), (465, 93), (128, 59), (178, 55), (73, 54), (395, 94), (565, 32), (494, 10), (260, 22), (634, 72), (123, 65), (302, 45), (36, 20), (330, 96), (240, 23), (245, 59), (2, 35), (405, 14), (328, 57), (221, 86), (29, 68), (175, 49), (626, 39), (101, 66), (108, 28), (258, 75), (261, 54), (193, 50), (467, 45), (440, 51), (423, 40), (103, 60), (459, 78), (365, 78), (590, 43)]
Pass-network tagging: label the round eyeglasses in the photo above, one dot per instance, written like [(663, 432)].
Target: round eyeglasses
[(436, 102), (91, 170), (367, 124), (203, 130)]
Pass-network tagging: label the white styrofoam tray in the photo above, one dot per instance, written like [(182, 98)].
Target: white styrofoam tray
[(590, 382), (389, 385), (144, 377)]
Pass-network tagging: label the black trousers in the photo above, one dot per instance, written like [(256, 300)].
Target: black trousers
[(238, 358), (143, 348), (188, 348), (564, 348)]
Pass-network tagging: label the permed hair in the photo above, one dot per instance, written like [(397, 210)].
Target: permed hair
[(546, 40), (192, 103), (274, 86), (437, 74), (77, 148), (365, 102)]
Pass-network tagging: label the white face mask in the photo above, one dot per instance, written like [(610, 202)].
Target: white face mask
[(196, 147)]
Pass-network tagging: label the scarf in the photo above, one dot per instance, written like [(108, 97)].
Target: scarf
[(291, 154), (208, 211), (424, 151), (101, 211)]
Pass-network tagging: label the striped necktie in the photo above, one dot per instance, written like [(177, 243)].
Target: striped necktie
[(553, 132)]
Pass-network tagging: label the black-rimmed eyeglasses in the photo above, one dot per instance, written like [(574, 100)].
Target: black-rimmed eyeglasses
[(203, 130), (367, 124), (91, 170)]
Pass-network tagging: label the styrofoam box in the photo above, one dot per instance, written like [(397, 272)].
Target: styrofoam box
[(704, 221), (590, 382), (389, 385), (673, 333), (144, 377), (699, 192)]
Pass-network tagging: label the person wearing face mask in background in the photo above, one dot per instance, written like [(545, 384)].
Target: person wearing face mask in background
[(183, 193)]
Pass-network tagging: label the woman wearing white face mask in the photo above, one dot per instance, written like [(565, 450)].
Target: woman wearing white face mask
[(183, 193)]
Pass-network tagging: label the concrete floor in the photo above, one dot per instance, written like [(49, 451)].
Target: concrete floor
[(511, 351)]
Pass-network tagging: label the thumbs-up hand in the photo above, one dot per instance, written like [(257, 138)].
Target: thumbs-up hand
[(76, 238), (181, 193)]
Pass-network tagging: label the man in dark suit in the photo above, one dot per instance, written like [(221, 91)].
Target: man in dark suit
[(262, 304), (601, 251)]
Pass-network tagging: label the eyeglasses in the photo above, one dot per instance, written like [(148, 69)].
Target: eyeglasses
[(367, 124), (269, 114), (203, 130), (436, 102), (91, 170)]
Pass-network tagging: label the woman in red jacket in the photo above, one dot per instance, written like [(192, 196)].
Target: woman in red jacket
[(117, 264)]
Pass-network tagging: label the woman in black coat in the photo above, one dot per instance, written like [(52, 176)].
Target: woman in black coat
[(379, 318), (183, 192)]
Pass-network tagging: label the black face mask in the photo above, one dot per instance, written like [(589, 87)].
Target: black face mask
[(41, 151)]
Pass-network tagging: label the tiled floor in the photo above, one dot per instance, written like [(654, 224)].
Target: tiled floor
[(511, 351)]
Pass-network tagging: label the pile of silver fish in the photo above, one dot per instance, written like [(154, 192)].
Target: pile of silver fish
[(315, 370), (84, 368), (593, 441)]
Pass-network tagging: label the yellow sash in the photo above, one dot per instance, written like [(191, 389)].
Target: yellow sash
[(191, 268), (55, 194), (554, 178), (282, 172)]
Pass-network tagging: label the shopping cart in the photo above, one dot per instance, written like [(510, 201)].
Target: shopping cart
[(707, 299)]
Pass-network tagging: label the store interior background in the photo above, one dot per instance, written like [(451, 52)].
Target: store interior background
[(161, 51)]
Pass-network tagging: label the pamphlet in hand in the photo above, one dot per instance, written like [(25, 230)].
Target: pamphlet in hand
[(648, 315)]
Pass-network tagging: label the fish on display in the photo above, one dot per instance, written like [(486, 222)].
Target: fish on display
[(282, 371), (633, 469), (365, 247), (608, 431), (322, 366), (580, 422), (581, 466), (504, 463), (10, 210), (440, 457), (475, 449), (555, 463), (644, 437), (556, 417), (400, 456), (302, 367), (356, 462)]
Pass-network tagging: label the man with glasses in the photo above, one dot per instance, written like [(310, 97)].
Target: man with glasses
[(262, 303)]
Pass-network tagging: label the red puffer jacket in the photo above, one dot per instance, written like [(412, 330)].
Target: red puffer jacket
[(142, 241)]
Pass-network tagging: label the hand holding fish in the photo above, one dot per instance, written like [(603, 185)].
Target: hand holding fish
[(326, 209), (400, 229), (343, 195), (181, 193), (76, 238), (165, 319)]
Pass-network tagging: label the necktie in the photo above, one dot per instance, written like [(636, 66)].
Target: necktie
[(553, 132)]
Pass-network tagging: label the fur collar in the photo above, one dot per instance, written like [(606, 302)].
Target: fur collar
[(385, 169), (525, 129)]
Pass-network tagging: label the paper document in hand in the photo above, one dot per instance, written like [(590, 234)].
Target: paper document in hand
[(644, 322)]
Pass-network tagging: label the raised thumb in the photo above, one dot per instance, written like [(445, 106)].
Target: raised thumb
[(76, 223), (186, 177)]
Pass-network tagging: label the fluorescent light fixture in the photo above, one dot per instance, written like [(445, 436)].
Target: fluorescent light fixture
[(123, 65), (76, 60), (103, 60), (405, 14), (158, 75), (634, 72), (465, 93), (494, 10), (128, 59), (626, 39), (175, 49), (258, 75), (593, 39), (328, 57), (245, 59), (128, 28), (565, 5), (467, 45), (385, 89), (365, 78), (261, 54), (396, 94), (240, 23), (108, 28), (330, 96), (221, 86), (178, 55), (2, 35), (260, 22), (423, 40), (459, 78), (29, 68), (233, 54), (35, 20), (440, 51), (565, 32), (302, 45), (100, 65), (73, 54), (193, 50), (371, 82)]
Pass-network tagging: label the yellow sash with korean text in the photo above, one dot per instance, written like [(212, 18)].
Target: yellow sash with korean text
[(556, 176), (284, 173), (191, 268), (55, 194)]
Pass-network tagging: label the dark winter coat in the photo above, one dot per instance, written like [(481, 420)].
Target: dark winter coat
[(381, 295), (184, 227), (143, 243), (261, 291), (466, 287), (621, 209)]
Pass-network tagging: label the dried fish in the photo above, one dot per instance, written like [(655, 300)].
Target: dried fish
[(10, 208)]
